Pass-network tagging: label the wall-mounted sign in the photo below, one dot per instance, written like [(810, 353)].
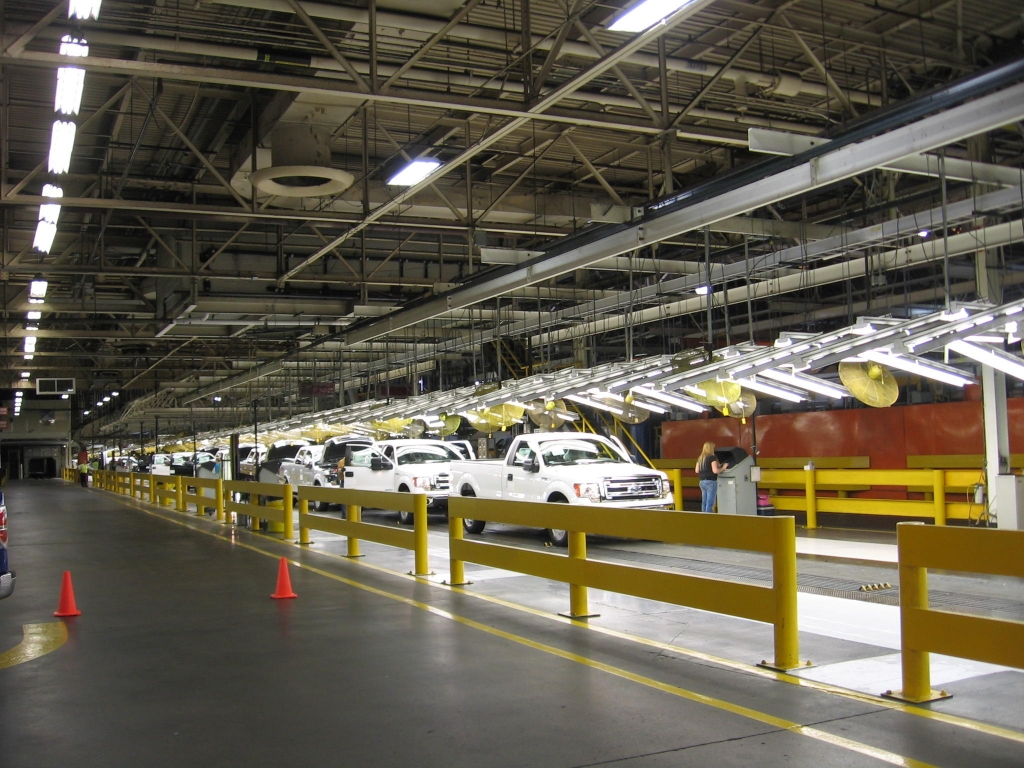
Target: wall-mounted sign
[(317, 389)]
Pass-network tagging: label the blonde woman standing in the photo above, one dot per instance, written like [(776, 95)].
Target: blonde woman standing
[(707, 470)]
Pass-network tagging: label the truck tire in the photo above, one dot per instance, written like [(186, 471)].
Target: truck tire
[(405, 518), (320, 506), (471, 526), (556, 536)]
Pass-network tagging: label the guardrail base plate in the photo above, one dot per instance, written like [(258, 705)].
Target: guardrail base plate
[(581, 617), (802, 665), (933, 695), (456, 583)]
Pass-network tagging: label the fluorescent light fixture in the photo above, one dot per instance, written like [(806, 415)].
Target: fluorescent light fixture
[(809, 383), (595, 404), (43, 240), (986, 339), (65, 396), (115, 393), (33, 314), (916, 365), (31, 327), (74, 46), (646, 15), (25, 374), (84, 9), (1014, 310), (991, 357), (693, 389), (960, 314), (414, 173), (665, 397), (30, 343), (216, 398), (99, 403), (652, 407), (771, 389), (703, 290), (28, 356), (85, 413), (106, 399), (70, 82), (62, 141), (37, 287), (924, 233), (863, 329)]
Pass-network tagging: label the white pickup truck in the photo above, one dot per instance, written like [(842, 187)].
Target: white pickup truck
[(561, 467), (406, 466)]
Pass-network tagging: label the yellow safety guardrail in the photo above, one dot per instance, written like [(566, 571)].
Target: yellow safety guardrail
[(68, 474), (926, 630), (958, 461), (165, 490), (772, 535), (283, 514), (201, 500), (937, 483), (140, 486), (355, 529)]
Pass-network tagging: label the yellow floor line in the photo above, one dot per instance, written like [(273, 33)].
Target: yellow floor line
[(762, 717), (38, 640)]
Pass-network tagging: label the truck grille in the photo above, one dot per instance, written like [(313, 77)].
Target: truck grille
[(442, 482), (628, 488)]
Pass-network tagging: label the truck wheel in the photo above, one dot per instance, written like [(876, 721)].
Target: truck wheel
[(320, 506), (471, 526), (557, 536), (405, 518)]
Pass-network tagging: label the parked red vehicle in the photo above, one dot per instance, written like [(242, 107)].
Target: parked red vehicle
[(6, 574)]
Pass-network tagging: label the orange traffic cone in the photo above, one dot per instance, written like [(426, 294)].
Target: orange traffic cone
[(67, 606), (284, 582)]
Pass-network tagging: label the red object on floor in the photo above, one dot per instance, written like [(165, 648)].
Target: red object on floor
[(284, 582), (67, 606)]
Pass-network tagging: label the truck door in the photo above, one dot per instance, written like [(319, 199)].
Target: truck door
[(515, 480), (386, 477)]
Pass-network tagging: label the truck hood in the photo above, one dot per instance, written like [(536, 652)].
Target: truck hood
[(596, 472)]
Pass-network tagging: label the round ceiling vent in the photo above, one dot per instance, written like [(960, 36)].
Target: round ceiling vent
[(301, 164)]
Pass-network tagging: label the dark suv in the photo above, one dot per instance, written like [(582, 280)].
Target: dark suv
[(6, 574)]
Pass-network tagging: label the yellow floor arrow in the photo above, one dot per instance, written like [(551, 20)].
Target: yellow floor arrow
[(39, 640)]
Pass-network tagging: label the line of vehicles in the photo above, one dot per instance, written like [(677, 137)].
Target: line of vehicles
[(561, 467)]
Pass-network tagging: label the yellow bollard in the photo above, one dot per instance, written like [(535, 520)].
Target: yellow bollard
[(179, 494), (458, 567), (787, 639), (288, 510), (939, 495), (303, 530), (917, 679), (578, 599), (419, 518), (355, 514), (676, 476), (810, 491), (152, 489)]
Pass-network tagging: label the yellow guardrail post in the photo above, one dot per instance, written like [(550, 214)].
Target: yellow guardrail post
[(917, 678), (457, 576), (676, 476), (354, 513), (179, 494), (218, 500), (419, 517), (811, 492), (288, 510), (787, 638), (152, 489), (303, 530), (578, 594), (939, 495)]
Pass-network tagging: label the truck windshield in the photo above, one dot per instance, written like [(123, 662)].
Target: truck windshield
[(567, 452), (427, 454)]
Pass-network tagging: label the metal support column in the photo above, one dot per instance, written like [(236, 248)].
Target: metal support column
[(1002, 501)]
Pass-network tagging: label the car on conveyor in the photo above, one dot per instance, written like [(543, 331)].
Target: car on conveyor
[(6, 574)]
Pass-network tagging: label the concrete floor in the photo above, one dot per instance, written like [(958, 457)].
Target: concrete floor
[(181, 656)]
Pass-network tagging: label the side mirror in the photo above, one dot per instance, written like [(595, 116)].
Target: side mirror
[(376, 463), (531, 465)]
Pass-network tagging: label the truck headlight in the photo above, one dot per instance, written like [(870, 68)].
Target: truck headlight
[(666, 488), (590, 491), (423, 482)]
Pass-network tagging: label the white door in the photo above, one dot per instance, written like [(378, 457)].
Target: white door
[(516, 482)]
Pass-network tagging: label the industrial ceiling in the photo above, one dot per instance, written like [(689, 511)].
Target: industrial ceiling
[(598, 195)]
